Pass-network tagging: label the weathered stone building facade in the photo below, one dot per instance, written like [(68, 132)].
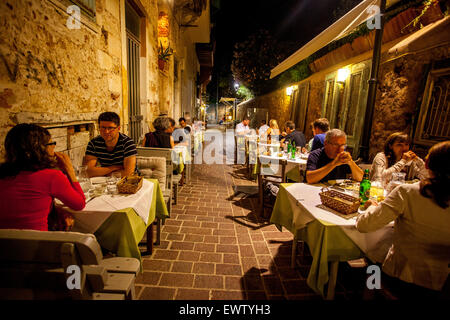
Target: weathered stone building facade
[(414, 68), (62, 73)]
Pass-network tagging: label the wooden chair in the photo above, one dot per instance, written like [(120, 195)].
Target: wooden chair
[(154, 168), (276, 176), (34, 265)]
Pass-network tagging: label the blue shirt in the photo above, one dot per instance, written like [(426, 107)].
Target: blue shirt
[(318, 159), (318, 141)]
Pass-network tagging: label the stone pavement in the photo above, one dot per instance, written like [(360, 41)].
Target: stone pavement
[(214, 247)]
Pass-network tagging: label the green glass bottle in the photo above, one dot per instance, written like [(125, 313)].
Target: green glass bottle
[(364, 188), (289, 148), (293, 150)]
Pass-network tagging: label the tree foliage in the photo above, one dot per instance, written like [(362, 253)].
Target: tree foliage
[(253, 59)]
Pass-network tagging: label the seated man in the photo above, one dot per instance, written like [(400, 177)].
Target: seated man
[(187, 128), (113, 150), (332, 162), (320, 127), (293, 135), (263, 128), (243, 128)]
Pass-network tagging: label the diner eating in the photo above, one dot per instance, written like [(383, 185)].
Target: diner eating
[(320, 128), (332, 162), (397, 157), (32, 176), (293, 136), (420, 252), (162, 136), (113, 150)]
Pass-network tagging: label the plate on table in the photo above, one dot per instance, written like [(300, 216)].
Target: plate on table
[(98, 180)]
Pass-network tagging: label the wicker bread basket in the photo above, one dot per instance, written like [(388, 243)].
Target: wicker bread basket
[(130, 184), (339, 201)]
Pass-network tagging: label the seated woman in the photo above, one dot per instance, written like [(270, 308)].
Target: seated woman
[(397, 158), (29, 179), (162, 136), (420, 252), (273, 132)]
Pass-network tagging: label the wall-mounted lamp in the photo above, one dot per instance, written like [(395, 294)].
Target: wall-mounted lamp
[(290, 89), (342, 75)]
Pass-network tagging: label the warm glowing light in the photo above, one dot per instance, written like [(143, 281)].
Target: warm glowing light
[(290, 89), (342, 74)]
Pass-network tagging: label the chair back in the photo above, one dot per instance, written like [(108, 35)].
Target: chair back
[(34, 264), (153, 168), (163, 153)]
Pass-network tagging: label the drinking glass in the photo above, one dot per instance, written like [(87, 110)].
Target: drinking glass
[(398, 178), (111, 185), (83, 179), (99, 190), (377, 191), (117, 175)]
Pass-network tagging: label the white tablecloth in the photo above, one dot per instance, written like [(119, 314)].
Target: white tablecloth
[(291, 163), (100, 208), (304, 200), (184, 153)]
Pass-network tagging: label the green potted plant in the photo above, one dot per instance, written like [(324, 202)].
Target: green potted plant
[(163, 55)]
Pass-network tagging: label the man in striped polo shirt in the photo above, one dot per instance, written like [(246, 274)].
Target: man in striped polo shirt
[(114, 151)]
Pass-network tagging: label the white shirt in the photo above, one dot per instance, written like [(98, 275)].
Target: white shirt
[(380, 170), (420, 252), (240, 127), (263, 129)]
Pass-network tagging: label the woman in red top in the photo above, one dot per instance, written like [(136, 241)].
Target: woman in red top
[(30, 179)]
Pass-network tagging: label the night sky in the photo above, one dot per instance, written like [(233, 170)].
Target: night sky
[(297, 21)]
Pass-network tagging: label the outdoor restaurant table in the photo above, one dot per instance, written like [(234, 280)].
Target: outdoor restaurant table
[(293, 168), (120, 227), (330, 237)]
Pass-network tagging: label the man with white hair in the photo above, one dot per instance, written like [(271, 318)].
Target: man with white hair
[(332, 162)]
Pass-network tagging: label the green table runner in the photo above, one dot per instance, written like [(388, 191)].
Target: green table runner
[(327, 242), (124, 229)]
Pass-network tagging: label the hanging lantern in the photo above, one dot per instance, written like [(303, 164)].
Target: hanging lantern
[(163, 25)]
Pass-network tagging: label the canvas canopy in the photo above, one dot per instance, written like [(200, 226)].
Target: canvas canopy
[(345, 25)]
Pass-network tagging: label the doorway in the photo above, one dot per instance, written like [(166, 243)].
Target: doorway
[(134, 34)]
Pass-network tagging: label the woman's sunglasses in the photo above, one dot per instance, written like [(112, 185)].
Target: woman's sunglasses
[(51, 143)]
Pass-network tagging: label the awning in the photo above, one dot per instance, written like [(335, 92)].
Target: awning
[(337, 30), (433, 35)]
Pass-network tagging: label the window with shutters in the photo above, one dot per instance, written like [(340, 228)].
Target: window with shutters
[(299, 106), (87, 7), (434, 118)]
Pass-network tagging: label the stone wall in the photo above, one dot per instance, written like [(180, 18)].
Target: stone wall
[(52, 74), (400, 94), (60, 77)]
